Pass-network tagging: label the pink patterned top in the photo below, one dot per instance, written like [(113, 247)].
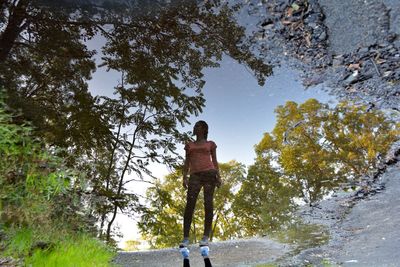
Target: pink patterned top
[(200, 156)]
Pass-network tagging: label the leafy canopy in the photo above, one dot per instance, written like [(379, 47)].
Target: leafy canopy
[(161, 222)]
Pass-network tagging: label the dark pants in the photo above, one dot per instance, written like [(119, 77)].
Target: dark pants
[(196, 182)]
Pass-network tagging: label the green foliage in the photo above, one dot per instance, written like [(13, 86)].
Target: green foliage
[(41, 202), (44, 73), (312, 150), (32, 179), (264, 202), (318, 148), (131, 245), (45, 63), (20, 243), (161, 223)]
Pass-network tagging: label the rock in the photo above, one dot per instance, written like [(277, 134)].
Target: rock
[(268, 21), (313, 25), (322, 36), (279, 26), (313, 81), (9, 262), (312, 18), (310, 46), (351, 78), (337, 61)]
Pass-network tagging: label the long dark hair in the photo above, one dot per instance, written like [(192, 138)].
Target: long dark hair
[(204, 125)]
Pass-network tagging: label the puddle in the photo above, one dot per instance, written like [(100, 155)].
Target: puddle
[(302, 236)]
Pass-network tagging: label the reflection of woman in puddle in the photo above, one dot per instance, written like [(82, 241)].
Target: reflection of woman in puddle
[(201, 163)]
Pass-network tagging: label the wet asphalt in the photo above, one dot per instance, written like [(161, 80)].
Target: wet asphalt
[(373, 228)]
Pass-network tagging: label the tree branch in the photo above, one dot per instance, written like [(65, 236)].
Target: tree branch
[(136, 180), (14, 28)]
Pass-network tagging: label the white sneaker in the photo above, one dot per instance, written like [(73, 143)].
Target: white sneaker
[(204, 251), (184, 252)]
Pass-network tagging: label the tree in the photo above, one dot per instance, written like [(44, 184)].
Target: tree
[(44, 68), (313, 150), (161, 222), (154, 104), (265, 201), (131, 245), (45, 63), (318, 148)]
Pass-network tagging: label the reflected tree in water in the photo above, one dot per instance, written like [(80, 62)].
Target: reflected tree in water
[(265, 200), (160, 53), (313, 150), (161, 223), (330, 146)]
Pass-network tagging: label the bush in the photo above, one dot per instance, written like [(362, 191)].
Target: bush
[(42, 216)]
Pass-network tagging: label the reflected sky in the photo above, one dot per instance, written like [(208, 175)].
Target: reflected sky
[(237, 110)]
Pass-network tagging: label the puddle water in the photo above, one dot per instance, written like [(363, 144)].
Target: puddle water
[(158, 72), (300, 237), (303, 236), (305, 149)]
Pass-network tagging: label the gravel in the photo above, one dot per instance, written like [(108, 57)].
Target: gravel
[(351, 47)]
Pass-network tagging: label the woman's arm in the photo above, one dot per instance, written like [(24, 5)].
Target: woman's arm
[(215, 162), (214, 158), (186, 170)]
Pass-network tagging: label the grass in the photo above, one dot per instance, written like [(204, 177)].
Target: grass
[(80, 251), (69, 251), (20, 242)]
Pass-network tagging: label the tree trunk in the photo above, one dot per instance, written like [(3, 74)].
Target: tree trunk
[(103, 216), (121, 180), (14, 27)]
